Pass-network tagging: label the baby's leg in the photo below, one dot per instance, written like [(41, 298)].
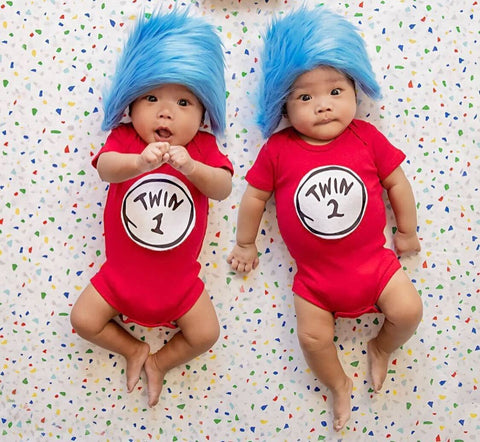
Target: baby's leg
[(315, 328), (199, 330), (92, 318), (402, 307)]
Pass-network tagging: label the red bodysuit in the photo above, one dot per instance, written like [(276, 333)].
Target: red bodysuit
[(331, 213), (154, 229)]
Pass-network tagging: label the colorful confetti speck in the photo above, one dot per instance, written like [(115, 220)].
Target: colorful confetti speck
[(254, 384)]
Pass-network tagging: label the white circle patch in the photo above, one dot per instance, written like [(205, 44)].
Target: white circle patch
[(330, 201), (158, 212)]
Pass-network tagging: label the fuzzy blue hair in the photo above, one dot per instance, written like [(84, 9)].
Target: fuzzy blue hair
[(299, 42), (169, 48)]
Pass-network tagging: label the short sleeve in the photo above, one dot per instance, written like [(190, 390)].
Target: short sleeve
[(209, 153), (387, 157), (262, 174), (121, 139)]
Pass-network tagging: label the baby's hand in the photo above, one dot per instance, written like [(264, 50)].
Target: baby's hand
[(181, 160), (153, 156), (406, 243), (243, 258)]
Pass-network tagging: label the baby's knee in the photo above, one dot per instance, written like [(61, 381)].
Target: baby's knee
[(81, 322), (314, 340), (77, 322), (415, 313), (206, 335), (212, 334), (75, 317), (408, 313)]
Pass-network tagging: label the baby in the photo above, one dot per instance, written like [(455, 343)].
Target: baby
[(328, 171), (162, 170)]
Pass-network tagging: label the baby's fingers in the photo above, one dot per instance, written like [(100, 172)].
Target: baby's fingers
[(239, 266), (161, 146)]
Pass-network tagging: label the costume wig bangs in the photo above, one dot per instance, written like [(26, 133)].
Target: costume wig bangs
[(169, 48), (300, 42)]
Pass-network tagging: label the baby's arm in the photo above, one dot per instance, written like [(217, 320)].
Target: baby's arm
[(213, 182), (244, 256), (403, 204), (116, 167)]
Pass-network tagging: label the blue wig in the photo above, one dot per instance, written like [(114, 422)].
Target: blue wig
[(300, 42), (169, 48)]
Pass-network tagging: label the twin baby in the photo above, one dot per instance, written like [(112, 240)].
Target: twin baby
[(327, 171)]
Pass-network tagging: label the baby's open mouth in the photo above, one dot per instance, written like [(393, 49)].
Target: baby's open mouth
[(163, 133)]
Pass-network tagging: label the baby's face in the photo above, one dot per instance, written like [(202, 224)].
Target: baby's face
[(321, 105), (169, 113)]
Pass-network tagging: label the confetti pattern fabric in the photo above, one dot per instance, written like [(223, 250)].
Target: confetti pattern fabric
[(253, 385)]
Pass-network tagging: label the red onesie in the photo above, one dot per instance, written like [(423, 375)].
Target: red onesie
[(331, 213), (154, 229)]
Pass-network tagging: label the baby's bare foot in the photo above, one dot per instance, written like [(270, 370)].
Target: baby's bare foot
[(135, 364), (378, 365), (342, 405), (155, 376)]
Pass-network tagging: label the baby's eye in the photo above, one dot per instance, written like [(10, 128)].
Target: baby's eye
[(182, 102), (335, 91), (151, 98), (305, 97)]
